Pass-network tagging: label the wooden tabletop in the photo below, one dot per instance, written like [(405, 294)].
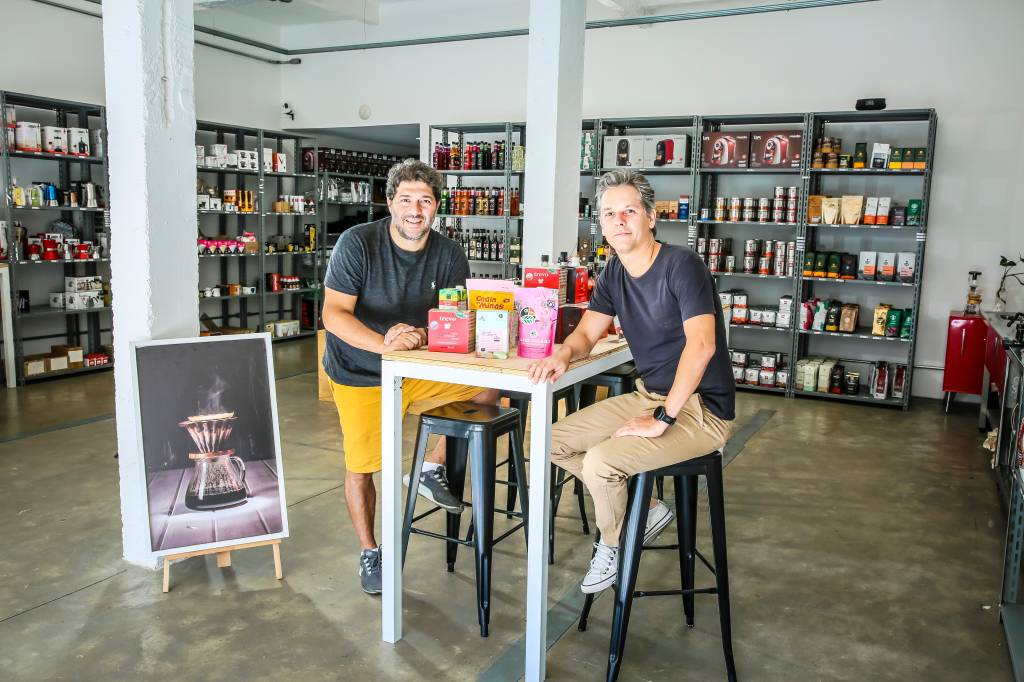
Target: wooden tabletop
[(513, 365)]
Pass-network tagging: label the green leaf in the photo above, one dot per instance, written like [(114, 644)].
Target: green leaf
[(1005, 262)]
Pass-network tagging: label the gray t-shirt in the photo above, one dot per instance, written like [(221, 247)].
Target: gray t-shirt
[(652, 309), (393, 286)]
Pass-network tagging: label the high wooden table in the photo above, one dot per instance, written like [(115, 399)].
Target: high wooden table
[(510, 375)]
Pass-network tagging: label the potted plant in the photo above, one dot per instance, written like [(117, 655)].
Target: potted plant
[(1007, 265)]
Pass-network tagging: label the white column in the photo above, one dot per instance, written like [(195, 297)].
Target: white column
[(553, 116), (151, 125)]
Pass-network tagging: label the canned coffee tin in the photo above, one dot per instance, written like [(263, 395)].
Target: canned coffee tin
[(792, 192), (714, 261), (705, 214), (780, 247), (748, 215), (735, 202), (764, 264), (764, 203), (750, 247), (779, 202), (780, 192), (790, 249), (748, 264), (791, 203), (730, 263), (719, 202), (748, 202), (763, 214), (719, 214), (702, 244), (714, 245), (780, 264), (791, 215), (734, 214), (778, 215)]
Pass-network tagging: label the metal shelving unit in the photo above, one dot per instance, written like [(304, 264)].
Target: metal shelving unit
[(251, 269), (509, 226), (900, 127), (80, 328)]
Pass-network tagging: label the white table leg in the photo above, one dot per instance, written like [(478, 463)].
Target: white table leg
[(391, 497), (537, 553)]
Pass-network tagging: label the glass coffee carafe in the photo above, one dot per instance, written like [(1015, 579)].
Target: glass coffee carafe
[(218, 476)]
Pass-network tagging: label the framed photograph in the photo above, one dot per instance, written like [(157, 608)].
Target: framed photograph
[(206, 409)]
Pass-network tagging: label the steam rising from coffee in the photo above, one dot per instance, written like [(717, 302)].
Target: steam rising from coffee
[(211, 402)]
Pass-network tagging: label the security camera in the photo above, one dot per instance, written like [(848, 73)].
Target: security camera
[(289, 112)]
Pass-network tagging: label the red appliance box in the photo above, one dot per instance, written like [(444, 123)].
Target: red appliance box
[(576, 285), (451, 331), (775, 148), (547, 278), (569, 317), (725, 150)]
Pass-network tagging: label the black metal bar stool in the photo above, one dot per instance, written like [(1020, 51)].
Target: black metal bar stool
[(521, 401), (684, 475), (618, 380), (473, 431)]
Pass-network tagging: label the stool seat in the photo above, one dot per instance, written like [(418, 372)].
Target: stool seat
[(470, 417)]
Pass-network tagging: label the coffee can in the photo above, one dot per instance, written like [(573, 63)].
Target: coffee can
[(715, 245), (748, 202), (748, 215), (763, 214), (780, 264), (764, 203), (714, 261), (735, 202), (750, 247), (792, 192), (780, 192), (705, 214), (719, 202), (780, 247), (734, 214), (730, 263), (764, 264), (791, 215), (702, 244), (778, 215), (748, 264), (791, 203), (719, 214)]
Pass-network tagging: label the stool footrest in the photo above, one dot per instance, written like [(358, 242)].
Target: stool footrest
[(439, 536), (669, 593), (504, 535)]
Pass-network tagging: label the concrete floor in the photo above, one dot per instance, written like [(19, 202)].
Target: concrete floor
[(864, 544)]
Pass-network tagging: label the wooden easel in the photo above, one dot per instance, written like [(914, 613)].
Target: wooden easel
[(224, 558)]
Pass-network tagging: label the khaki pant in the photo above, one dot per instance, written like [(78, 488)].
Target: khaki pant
[(583, 445)]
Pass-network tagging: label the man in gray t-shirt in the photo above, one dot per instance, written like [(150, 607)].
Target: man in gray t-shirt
[(382, 279)]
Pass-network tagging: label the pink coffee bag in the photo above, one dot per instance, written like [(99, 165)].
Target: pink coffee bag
[(538, 320)]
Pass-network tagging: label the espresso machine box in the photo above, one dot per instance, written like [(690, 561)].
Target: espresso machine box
[(725, 150), (665, 151), (775, 148), (624, 151)]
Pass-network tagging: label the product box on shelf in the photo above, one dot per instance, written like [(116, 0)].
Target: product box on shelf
[(664, 151), (775, 148), (280, 162), (882, 212), (57, 300), (451, 331), (96, 142), (200, 155), (496, 333), (218, 150), (577, 289), (547, 278), (886, 266), (34, 365), (880, 152), (74, 354), (55, 139), (283, 328), (905, 265), (725, 150), (87, 283), (451, 299), (625, 151), (83, 300), (28, 137), (491, 294)]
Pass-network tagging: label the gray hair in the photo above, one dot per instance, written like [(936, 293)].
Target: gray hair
[(632, 178), (413, 170)]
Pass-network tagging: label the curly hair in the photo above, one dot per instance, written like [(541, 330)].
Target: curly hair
[(413, 170)]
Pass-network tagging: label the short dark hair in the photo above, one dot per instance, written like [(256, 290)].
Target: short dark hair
[(413, 170)]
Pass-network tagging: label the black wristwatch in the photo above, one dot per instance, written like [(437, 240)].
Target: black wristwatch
[(662, 416)]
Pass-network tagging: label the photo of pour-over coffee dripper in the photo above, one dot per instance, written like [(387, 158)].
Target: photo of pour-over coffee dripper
[(723, 152), (776, 150), (218, 476)]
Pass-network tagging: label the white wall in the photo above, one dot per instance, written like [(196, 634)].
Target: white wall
[(961, 58), (56, 53)]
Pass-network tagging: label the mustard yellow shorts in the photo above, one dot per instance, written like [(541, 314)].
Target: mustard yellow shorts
[(359, 411)]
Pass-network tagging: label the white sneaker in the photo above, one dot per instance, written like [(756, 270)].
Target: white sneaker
[(603, 570), (658, 517)]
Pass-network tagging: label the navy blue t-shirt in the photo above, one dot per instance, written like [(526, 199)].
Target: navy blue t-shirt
[(652, 309)]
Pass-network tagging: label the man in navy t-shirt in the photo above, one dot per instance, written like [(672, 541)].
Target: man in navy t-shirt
[(684, 404)]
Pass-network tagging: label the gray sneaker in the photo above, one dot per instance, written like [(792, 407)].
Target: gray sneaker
[(434, 487), (369, 571)]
